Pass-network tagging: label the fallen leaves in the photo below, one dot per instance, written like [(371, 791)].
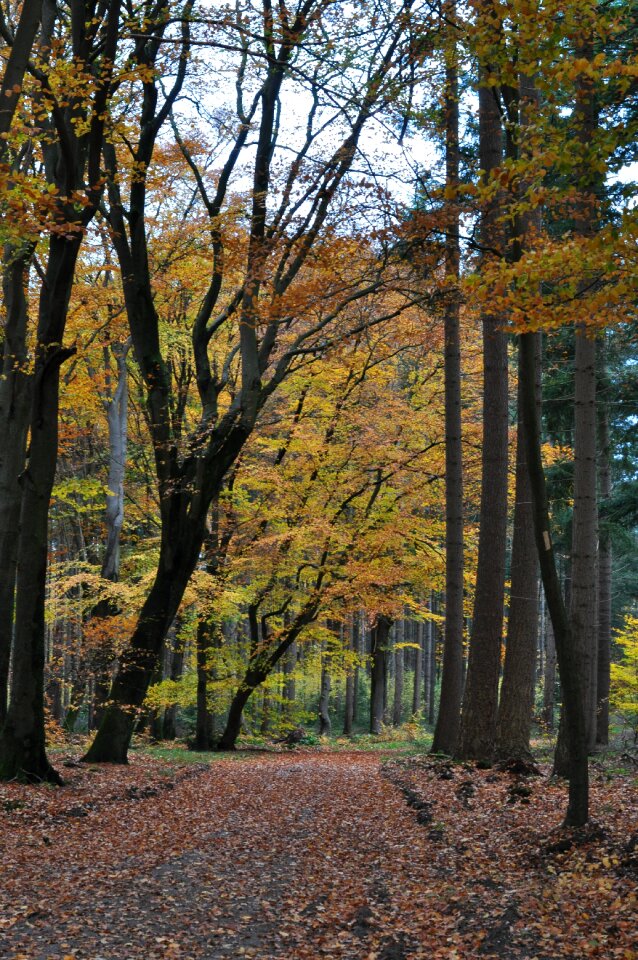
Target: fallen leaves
[(311, 856)]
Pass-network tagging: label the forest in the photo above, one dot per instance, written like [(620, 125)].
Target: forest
[(318, 479)]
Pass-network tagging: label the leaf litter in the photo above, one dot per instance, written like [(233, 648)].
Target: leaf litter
[(314, 855)]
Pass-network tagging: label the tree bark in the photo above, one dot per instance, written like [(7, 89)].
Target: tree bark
[(290, 685), (604, 556), (447, 726), (325, 724), (419, 673), (15, 405), (348, 720), (477, 731), (549, 678), (584, 613), (378, 671), (399, 665), (571, 668), (517, 689)]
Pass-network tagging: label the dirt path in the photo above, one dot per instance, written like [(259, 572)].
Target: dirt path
[(287, 856), (300, 857)]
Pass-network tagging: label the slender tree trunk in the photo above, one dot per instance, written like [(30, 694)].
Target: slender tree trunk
[(584, 588), (325, 724), (117, 418), (477, 732), (399, 665), (360, 646), (290, 686), (431, 689), (549, 678), (169, 729), (419, 672), (604, 557), (448, 721), (348, 720), (378, 671)]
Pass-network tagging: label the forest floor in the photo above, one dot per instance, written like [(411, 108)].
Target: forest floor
[(310, 854)]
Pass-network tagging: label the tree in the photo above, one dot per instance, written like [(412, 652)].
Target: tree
[(73, 162), (480, 701), (447, 725), (259, 313)]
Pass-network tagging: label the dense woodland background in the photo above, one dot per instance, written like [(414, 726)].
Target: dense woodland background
[(287, 419)]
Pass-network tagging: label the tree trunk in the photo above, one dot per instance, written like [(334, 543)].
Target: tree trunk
[(448, 721), (571, 668), (378, 671), (325, 725), (15, 405), (290, 685), (169, 730), (431, 689), (117, 419), (139, 662), (477, 731), (419, 672), (348, 720), (22, 742), (604, 558), (549, 678), (399, 665), (517, 690)]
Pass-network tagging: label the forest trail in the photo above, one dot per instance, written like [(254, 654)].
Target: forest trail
[(294, 856)]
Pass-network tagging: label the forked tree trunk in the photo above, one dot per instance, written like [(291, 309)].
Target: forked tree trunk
[(571, 668)]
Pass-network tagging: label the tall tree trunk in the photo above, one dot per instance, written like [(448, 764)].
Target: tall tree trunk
[(519, 673), (169, 730), (290, 684), (431, 688), (419, 672), (203, 717), (448, 721), (117, 419), (348, 720), (584, 587), (399, 665), (116, 409), (15, 405), (378, 671), (477, 731), (604, 556), (549, 678), (571, 668), (22, 742), (325, 725)]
